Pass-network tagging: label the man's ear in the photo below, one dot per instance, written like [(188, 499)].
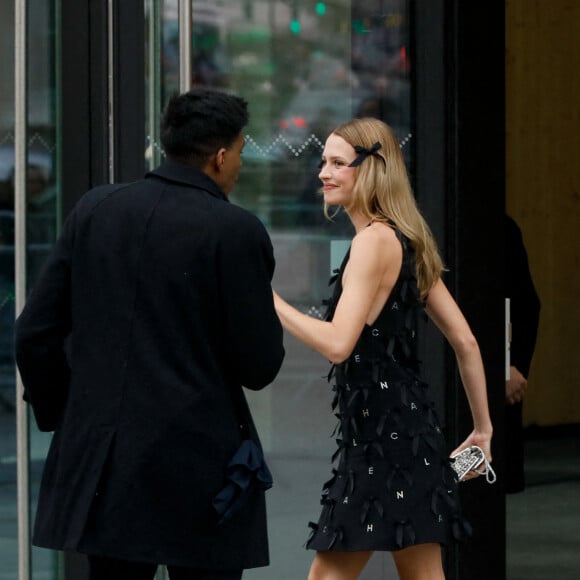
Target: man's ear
[(220, 158)]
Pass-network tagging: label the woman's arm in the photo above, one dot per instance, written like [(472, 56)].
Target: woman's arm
[(373, 251), (445, 313)]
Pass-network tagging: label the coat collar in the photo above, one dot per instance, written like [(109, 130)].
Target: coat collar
[(187, 175)]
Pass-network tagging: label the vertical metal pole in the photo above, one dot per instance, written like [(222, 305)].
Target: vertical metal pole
[(155, 81), (111, 85), (185, 45), (57, 47), (508, 338), (20, 122)]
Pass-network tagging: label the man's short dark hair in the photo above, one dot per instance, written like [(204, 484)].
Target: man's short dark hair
[(197, 123)]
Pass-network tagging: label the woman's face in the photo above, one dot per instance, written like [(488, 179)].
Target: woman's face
[(337, 177)]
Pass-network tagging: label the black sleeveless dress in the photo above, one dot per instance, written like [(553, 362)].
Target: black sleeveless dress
[(393, 486)]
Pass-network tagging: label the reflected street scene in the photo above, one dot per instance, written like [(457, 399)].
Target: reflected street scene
[(304, 67)]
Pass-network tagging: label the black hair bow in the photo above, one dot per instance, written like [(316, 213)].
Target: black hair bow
[(363, 153)]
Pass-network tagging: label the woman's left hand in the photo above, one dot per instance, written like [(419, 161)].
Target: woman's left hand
[(482, 440)]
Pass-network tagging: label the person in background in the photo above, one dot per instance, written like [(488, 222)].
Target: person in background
[(525, 318), (152, 312), (393, 488)]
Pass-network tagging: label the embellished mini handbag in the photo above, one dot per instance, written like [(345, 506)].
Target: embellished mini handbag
[(470, 459)]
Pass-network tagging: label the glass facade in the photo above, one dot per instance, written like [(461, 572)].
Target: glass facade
[(41, 225), (8, 521), (304, 66)]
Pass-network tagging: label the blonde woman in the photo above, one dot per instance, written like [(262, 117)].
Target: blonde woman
[(393, 488)]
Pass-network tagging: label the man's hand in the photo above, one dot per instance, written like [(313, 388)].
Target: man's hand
[(515, 386)]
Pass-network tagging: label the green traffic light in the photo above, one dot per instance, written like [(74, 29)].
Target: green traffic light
[(295, 26), (321, 8)]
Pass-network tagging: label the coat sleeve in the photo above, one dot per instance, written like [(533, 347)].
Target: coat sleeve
[(40, 334), (254, 337)]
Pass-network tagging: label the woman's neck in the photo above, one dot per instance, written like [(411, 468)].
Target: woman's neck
[(359, 221)]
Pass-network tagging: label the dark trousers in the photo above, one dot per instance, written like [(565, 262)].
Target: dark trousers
[(514, 447), (102, 568)]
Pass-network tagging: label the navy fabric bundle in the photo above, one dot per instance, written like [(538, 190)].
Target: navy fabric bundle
[(246, 469)]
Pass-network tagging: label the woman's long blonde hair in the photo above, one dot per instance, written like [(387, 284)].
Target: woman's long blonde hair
[(382, 192)]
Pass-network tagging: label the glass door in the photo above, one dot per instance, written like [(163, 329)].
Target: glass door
[(43, 204), (8, 455), (29, 221), (304, 66)]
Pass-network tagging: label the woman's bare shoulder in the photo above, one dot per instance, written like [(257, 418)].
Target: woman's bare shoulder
[(376, 246), (379, 236)]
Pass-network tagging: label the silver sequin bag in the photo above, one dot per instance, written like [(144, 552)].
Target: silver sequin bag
[(470, 459)]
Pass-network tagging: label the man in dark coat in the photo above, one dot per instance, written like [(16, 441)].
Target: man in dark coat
[(153, 311), (525, 317)]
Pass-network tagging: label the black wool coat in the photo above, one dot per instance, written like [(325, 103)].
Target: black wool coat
[(152, 312)]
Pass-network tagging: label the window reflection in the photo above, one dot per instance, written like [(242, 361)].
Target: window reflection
[(41, 227), (304, 67), (8, 527)]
